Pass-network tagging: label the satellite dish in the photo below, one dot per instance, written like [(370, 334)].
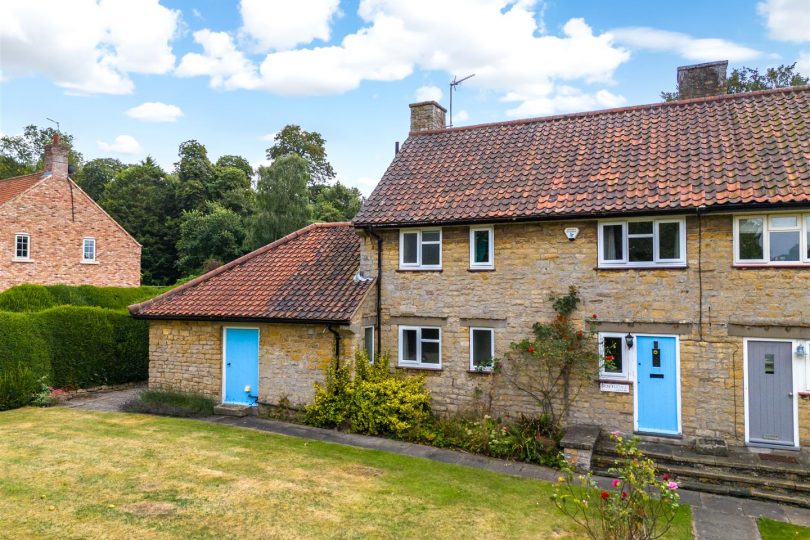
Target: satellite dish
[(71, 169)]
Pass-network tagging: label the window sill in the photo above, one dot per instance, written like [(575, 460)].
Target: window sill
[(605, 380), (765, 266), (480, 371), (89, 262), (16, 260), (419, 270), (492, 269), (631, 267), (425, 368), (804, 395)]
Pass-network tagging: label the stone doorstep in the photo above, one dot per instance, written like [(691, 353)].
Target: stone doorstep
[(233, 409)]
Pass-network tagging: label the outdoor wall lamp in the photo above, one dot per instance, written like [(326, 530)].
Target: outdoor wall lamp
[(801, 351), (629, 340)]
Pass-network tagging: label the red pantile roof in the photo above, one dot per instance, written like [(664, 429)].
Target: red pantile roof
[(740, 149), (306, 276), (11, 187)]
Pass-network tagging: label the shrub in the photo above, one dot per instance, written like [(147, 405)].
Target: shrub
[(18, 384), (171, 404), (26, 298), (372, 401), (40, 297)]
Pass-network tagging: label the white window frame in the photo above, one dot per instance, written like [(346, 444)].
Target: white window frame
[(84, 250), (418, 363), (370, 353), (657, 261), (487, 265), (626, 360), (491, 331), (418, 264), (803, 219), (27, 237)]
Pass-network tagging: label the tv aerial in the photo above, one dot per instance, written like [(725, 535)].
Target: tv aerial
[(453, 84)]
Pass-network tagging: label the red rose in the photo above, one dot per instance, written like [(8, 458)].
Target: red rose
[(580, 334), (605, 495), (609, 358), (531, 349), (624, 494), (594, 316), (666, 477)]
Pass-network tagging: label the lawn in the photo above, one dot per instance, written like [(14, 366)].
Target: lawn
[(777, 530), (79, 474)]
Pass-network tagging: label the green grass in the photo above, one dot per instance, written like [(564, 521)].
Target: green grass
[(71, 473), (770, 529), (171, 404)]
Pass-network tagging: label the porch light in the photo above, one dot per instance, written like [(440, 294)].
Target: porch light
[(629, 340), (801, 351)]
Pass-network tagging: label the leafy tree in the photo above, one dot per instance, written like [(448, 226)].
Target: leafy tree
[(231, 188), (195, 175), (282, 200), (217, 234), (237, 161), (747, 79), (142, 199), (96, 174), (22, 154), (310, 145), (337, 203)]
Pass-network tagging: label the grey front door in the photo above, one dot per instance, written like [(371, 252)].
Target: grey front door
[(770, 393)]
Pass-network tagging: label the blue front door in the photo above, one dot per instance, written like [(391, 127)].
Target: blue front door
[(241, 365), (657, 385)]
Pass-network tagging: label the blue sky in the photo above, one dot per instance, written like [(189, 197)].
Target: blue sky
[(136, 78)]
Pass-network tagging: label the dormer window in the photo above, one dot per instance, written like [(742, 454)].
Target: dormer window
[(420, 249), (642, 243)]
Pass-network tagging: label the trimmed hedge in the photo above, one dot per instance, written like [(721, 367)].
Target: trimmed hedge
[(28, 298), (17, 387)]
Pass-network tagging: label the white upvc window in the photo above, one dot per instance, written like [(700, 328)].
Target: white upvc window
[(22, 246), (420, 346), (772, 239), (482, 348), (89, 250), (368, 342), (614, 361), (482, 248), (420, 249), (642, 243)]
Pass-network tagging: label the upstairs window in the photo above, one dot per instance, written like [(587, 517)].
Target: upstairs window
[(89, 250), (22, 246), (420, 249), (482, 248), (642, 243), (775, 239), (420, 347)]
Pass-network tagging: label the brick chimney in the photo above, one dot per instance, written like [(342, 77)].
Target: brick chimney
[(427, 115), (56, 158), (702, 80)]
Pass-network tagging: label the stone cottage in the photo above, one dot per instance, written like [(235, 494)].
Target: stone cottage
[(262, 328), (52, 232)]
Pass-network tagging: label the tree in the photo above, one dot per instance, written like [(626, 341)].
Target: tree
[(337, 203), (310, 145), (231, 188), (747, 79), (22, 154), (236, 161), (195, 176), (217, 234), (142, 199), (282, 201), (96, 174)]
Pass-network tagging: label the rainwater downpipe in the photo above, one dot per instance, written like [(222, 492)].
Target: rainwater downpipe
[(337, 344), (377, 237)]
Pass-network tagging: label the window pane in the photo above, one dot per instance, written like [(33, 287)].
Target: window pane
[(481, 247), (430, 254), (785, 245), (612, 242), (409, 345), (409, 241), (669, 240), (22, 247), (640, 227), (613, 355), (430, 236), (430, 333), (368, 342), (641, 249), (482, 347), (751, 247), (785, 222), (430, 352)]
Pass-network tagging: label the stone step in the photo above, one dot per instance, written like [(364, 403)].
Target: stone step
[(232, 409)]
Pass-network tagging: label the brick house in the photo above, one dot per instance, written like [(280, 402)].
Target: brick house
[(51, 232), (685, 226)]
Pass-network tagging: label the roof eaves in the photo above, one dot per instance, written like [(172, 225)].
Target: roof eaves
[(225, 318)]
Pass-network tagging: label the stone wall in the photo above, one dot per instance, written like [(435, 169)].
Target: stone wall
[(535, 260), (58, 216)]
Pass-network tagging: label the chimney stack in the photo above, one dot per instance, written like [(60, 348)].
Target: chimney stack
[(427, 115), (56, 158), (702, 80)]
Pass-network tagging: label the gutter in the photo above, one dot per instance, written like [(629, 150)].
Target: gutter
[(337, 344), (370, 231), (224, 318)]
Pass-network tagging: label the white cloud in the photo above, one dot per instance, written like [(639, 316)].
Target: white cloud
[(123, 144), (283, 24), (684, 45), (803, 63), (787, 20), (85, 46), (498, 40), (565, 99), (155, 111), (428, 93), (269, 137), (460, 116)]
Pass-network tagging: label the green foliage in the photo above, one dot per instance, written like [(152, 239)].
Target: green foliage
[(231, 189), (639, 506), (195, 175), (39, 297), (171, 404), (309, 145), (18, 384), (236, 161), (22, 154), (217, 234), (368, 398), (94, 176), (282, 205), (336, 203), (746, 79), (771, 529)]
